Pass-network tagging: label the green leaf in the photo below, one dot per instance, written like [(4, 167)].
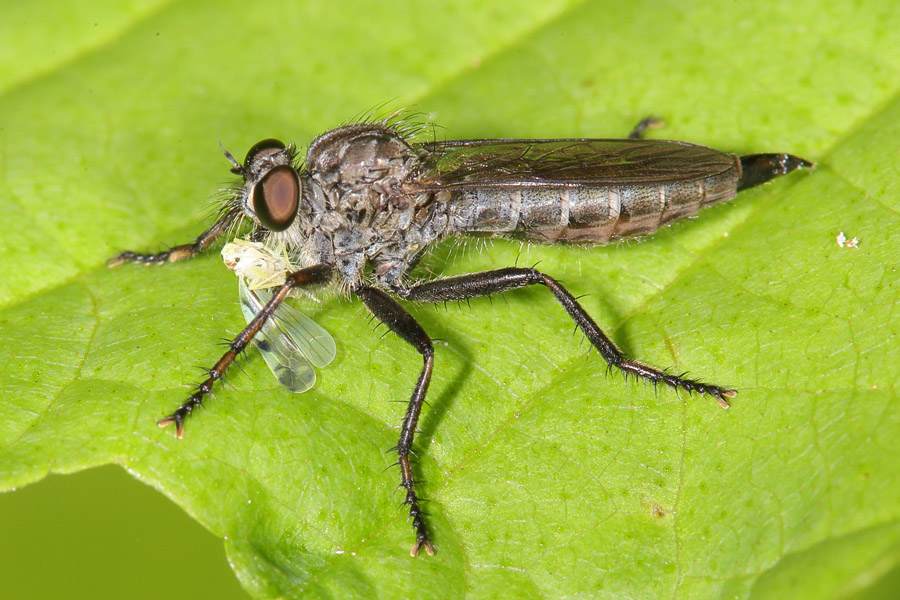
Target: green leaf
[(546, 477)]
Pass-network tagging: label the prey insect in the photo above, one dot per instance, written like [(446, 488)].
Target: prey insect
[(291, 343), (369, 200)]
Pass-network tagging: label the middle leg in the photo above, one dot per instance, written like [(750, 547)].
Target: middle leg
[(389, 312), (473, 285)]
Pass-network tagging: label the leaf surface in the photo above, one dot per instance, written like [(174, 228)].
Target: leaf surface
[(546, 477)]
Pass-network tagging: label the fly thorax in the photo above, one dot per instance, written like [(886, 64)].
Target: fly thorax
[(359, 170), (355, 196)]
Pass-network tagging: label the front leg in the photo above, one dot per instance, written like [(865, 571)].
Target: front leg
[(502, 280), (389, 312), (317, 275), (185, 251)]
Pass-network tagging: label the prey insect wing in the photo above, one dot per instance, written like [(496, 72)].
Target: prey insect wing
[(290, 345), (311, 339)]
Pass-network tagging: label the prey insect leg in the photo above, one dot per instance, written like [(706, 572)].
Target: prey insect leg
[(389, 312), (501, 280), (184, 251), (310, 276)]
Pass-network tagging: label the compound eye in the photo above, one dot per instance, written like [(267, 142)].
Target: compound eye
[(262, 149), (276, 198)]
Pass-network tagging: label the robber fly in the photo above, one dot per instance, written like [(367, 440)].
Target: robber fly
[(367, 202)]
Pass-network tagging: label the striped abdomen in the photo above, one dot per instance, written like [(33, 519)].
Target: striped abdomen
[(585, 213)]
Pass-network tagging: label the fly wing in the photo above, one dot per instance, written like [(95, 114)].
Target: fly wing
[(282, 342), (563, 163)]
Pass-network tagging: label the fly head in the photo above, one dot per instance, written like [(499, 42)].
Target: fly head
[(272, 187)]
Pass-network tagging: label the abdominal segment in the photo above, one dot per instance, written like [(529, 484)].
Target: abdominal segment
[(584, 214)]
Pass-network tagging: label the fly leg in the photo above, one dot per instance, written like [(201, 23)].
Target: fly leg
[(311, 276), (184, 251), (388, 311), (645, 124), (463, 287)]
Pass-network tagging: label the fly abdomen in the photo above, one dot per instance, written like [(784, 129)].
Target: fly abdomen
[(585, 214)]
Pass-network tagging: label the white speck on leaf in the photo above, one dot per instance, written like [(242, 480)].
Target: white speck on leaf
[(843, 242)]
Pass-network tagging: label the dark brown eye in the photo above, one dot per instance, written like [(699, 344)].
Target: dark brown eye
[(264, 148), (276, 197)]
